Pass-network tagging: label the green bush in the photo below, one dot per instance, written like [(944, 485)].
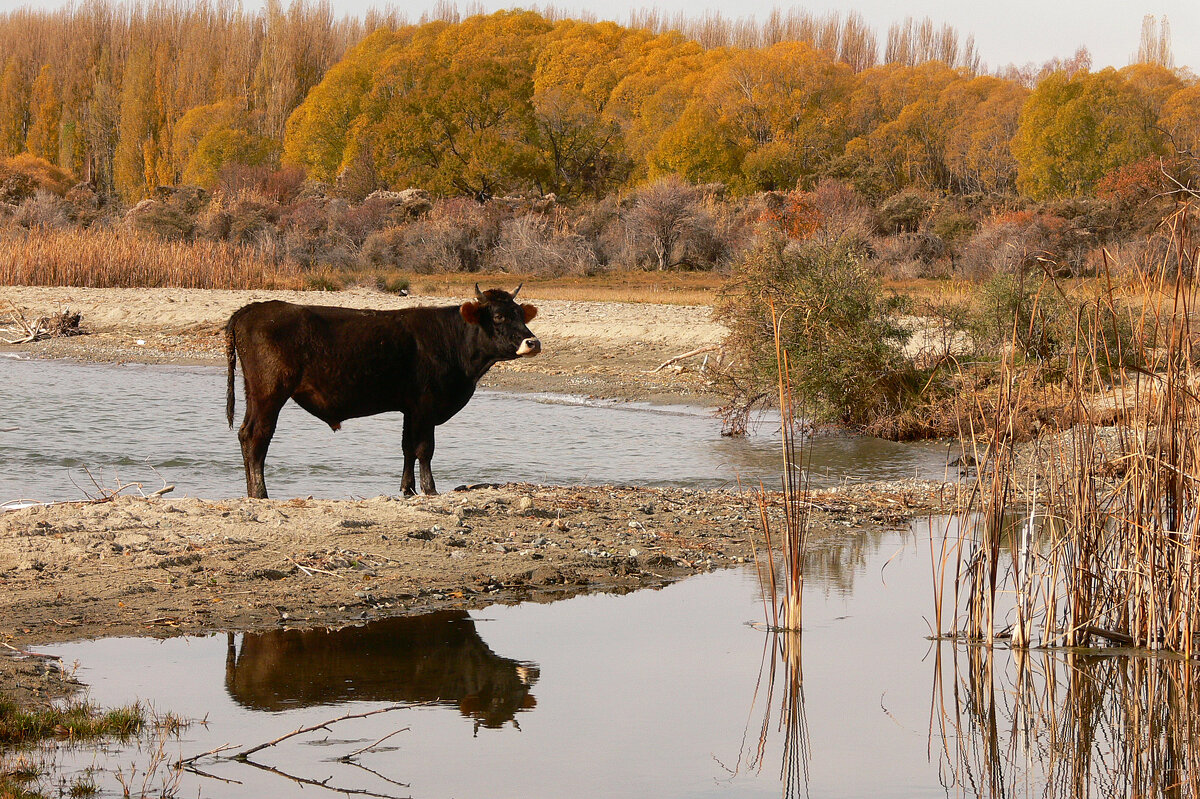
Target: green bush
[(903, 212), (844, 347), (1032, 314)]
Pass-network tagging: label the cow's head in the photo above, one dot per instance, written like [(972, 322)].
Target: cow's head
[(503, 321)]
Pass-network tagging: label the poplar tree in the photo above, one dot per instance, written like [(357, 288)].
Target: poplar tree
[(14, 108), (46, 112), (135, 132)]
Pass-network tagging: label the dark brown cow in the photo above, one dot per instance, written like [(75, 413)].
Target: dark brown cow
[(341, 363)]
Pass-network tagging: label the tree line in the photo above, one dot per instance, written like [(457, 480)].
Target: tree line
[(132, 97)]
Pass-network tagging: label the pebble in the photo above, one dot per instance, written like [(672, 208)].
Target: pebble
[(524, 503)]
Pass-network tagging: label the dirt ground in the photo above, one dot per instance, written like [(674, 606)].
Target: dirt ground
[(165, 566)]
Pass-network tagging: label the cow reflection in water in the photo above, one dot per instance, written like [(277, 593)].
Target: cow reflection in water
[(437, 657)]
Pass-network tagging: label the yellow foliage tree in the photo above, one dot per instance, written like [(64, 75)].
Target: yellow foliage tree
[(451, 111), (653, 94), (901, 122), (983, 116), (317, 131), (1074, 130), (46, 111), (1181, 121), (775, 113), (14, 106), (223, 145), (574, 78), (137, 128)]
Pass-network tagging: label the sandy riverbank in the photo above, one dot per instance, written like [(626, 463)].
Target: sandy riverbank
[(167, 566), (606, 349)]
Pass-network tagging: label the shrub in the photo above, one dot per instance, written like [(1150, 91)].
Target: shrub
[(952, 226), (251, 221), (455, 237), (1023, 241), (161, 219), (21, 176), (313, 234), (672, 224), (1033, 314), (44, 210), (908, 256), (836, 326), (384, 248), (903, 212), (534, 244)]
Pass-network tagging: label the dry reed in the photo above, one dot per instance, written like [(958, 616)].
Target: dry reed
[(110, 259), (785, 607), (1096, 540)]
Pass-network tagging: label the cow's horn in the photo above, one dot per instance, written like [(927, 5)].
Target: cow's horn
[(518, 288), (479, 294)]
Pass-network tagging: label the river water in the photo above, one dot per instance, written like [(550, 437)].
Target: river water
[(79, 422)]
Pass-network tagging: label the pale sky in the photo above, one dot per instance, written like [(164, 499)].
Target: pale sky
[(1009, 31)]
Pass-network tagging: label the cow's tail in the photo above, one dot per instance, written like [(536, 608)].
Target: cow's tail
[(231, 357)]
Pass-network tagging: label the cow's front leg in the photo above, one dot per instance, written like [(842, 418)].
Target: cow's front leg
[(424, 457), (418, 446)]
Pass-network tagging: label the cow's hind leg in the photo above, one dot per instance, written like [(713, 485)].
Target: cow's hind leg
[(255, 436)]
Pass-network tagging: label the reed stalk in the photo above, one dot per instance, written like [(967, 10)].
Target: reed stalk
[(1058, 723), (1094, 540), (785, 592)]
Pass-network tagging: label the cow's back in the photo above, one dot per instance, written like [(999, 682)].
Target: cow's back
[(339, 363)]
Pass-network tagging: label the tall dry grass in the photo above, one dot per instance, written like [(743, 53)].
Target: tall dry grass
[(783, 584), (1092, 537), (121, 259)]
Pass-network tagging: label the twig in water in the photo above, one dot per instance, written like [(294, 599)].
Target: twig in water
[(244, 755), (186, 760), (354, 754)]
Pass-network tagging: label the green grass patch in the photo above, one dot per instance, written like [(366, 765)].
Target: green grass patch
[(75, 720)]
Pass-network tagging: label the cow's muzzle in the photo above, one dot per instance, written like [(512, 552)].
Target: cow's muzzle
[(529, 347)]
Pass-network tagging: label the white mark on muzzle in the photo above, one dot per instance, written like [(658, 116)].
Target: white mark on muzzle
[(529, 347)]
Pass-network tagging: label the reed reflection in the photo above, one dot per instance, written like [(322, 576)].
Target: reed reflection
[(438, 657), (1065, 723), (779, 697)]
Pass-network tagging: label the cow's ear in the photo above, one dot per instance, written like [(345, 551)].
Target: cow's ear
[(470, 312), (529, 311)]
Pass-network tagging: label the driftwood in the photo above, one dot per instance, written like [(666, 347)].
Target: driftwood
[(65, 323), (109, 494), (684, 356), (104, 494)]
